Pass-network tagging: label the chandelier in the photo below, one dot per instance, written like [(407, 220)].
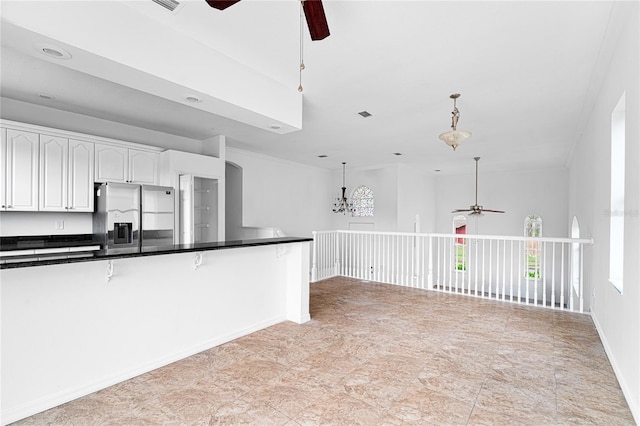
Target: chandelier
[(454, 137), (342, 204)]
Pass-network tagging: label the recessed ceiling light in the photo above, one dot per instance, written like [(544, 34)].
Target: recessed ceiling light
[(436, 170), (45, 96), (192, 99), (274, 126), (397, 153), (53, 51), (322, 156), (365, 114)]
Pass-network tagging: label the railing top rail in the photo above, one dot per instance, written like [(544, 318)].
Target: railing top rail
[(466, 236), (517, 238)]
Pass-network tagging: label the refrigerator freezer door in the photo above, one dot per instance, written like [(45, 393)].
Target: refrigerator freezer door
[(157, 216), (121, 205)]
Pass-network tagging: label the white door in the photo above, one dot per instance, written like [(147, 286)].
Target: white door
[(111, 163), (143, 167), (54, 157), (22, 170), (80, 193)]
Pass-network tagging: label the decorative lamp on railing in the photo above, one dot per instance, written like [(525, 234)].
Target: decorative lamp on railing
[(342, 204), (455, 137)]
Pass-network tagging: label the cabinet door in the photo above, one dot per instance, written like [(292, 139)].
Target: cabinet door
[(22, 170), (3, 169), (111, 163), (54, 157), (81, 157), (143, 167)]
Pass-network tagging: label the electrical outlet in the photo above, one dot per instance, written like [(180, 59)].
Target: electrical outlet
[(59, 225)]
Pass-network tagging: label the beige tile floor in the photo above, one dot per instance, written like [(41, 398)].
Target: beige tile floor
[(376, 354)]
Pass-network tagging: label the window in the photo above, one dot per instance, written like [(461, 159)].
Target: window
[(362, 199), (533, 251), (616, 214), (460, 243)]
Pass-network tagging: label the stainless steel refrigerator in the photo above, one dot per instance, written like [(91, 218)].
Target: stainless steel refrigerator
[(130, 217)]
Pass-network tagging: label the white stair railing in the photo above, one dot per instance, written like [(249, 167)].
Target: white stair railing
[(528, 270)]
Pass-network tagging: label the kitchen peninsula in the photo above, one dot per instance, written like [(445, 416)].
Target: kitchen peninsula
[(72, 326)]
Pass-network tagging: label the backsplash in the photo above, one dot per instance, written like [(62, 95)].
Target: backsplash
[(44, 223)]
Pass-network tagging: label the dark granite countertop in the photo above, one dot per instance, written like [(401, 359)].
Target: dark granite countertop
[(34, 242), (88, 256)]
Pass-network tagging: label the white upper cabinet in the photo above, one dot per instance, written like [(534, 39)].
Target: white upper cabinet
[(112, 163), (143, 167), (54, 164), (116, 164), (66, 175), (20, 171), (80, 176)]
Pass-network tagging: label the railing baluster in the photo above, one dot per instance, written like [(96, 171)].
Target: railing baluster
[(581, 282), (511, 274), (490, 269), (519, 278), (544, 274), (553, 275), (562, 299), (407, 259)]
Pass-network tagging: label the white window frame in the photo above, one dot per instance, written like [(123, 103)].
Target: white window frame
[(356, 201), (533, 249), (460, 262)]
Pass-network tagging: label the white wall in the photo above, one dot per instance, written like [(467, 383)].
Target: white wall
[(416, 196), (543, 192), (283, 194), (617, 316), (44, 223), (73, 333), (400, 192)]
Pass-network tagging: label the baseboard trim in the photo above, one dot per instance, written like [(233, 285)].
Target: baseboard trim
[(626, 391), (42, 404)]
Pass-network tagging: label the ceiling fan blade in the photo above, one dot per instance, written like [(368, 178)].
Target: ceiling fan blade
[(316, 19), (493, 211), (221, 4), (461, 211)]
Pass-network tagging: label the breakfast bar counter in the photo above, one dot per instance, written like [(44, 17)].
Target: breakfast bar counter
[(72, 326)]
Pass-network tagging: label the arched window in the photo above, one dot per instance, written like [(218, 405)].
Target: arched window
[(533, 251), (460, 243), (362, 199)]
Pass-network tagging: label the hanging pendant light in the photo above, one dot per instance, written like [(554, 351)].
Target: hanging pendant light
[(455, 137), (342, 204)]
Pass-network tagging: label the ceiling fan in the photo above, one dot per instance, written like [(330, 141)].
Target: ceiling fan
[(313, 11), (476, 209)]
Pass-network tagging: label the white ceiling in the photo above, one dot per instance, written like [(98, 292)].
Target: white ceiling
[(524, 69)]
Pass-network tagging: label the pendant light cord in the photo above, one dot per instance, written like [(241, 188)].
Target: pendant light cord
[(301, 47)]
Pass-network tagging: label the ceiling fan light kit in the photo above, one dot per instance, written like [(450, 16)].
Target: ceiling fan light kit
[(455, 137), (476, 210), (314, 14), (313, 11)]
